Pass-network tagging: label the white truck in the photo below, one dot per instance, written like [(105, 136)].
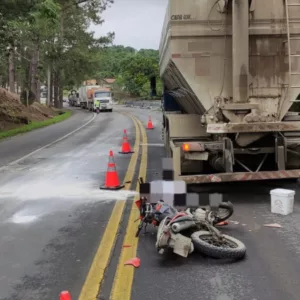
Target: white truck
[(100, 98)]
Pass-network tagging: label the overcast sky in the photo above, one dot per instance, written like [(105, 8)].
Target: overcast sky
[(136, 23)]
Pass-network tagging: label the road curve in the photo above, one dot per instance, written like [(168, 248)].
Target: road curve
[(52, 213), (54, 219), (18, 146)]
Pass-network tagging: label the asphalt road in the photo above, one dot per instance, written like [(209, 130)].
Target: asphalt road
[(18, 146), (52, 213), (53, 216)]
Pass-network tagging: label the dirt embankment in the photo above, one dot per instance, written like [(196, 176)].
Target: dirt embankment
[(14, 114)]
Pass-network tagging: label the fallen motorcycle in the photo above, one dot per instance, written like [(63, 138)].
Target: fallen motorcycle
[(154, 213), (193, 229)]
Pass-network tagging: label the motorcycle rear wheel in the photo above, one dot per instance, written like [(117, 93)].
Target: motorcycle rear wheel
[(232, 248)]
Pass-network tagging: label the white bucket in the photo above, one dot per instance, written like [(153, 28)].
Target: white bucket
[(282, 201)]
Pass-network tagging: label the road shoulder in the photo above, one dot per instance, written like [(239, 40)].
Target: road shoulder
[(21, 145), (62, 116)]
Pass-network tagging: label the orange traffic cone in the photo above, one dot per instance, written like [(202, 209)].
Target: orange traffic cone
[(65, 295), (112, 179), (150, 125), (126, 149)]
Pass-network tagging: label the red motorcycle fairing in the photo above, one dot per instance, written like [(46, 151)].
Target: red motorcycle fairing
[(181, 214)]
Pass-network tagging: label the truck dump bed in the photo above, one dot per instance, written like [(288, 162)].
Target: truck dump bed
[(233, 66), (196, 51)]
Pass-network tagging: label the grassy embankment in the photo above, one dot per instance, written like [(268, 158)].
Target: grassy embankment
[(35, 125)]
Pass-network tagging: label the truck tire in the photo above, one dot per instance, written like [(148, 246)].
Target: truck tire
[(236, 250)]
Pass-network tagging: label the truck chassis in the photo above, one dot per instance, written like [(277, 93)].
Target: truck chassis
[(214, 155)]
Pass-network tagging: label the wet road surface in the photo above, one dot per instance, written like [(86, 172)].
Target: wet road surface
[(52, 213), (53, 216), (18, 146), (269, 271)]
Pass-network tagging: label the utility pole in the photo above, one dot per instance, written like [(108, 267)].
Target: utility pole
[(49, 86), (11, 68)]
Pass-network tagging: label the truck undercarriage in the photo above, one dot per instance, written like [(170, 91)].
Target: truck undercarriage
[(218, 158)]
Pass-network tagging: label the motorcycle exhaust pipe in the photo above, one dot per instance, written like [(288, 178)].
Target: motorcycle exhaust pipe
[(177, 227)]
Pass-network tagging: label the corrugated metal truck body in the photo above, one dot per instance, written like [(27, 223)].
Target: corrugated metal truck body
[(233, 68)]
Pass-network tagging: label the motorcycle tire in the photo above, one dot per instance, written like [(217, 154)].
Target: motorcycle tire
[(201, 244), (227, 208)]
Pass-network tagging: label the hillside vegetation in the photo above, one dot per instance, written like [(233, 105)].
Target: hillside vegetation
[(49, 37), (133, 70), (43, 40)]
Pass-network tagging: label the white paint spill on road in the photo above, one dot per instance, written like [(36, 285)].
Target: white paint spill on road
[(62, 197), (27, 215), (78, 191), (19, 219)]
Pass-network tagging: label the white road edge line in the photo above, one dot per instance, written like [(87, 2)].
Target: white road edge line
[(48, 145)]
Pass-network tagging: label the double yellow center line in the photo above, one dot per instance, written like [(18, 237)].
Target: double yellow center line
[(123, 280)]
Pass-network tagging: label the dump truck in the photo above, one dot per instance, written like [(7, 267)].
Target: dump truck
[(231, 76), (85, 95), (73, 98), (100, 98)]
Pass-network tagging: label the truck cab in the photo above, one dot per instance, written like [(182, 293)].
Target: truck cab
[(102, 99)]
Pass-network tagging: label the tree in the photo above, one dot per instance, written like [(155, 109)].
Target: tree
[(43, 37), (134, 70), (109, 60), (11, 14), (45, 41), (138, 70)]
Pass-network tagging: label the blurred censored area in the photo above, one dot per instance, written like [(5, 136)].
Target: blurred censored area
[(174, 192)]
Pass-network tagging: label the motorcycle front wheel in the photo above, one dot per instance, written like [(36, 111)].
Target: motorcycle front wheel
[(230, 247)]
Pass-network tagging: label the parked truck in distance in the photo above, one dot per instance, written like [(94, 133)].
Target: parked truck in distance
[(85, 95), (231, 73), (73, 98), (100, 98), (93, 97)]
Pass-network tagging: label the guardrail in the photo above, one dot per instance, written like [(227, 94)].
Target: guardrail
[(144, 104)]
